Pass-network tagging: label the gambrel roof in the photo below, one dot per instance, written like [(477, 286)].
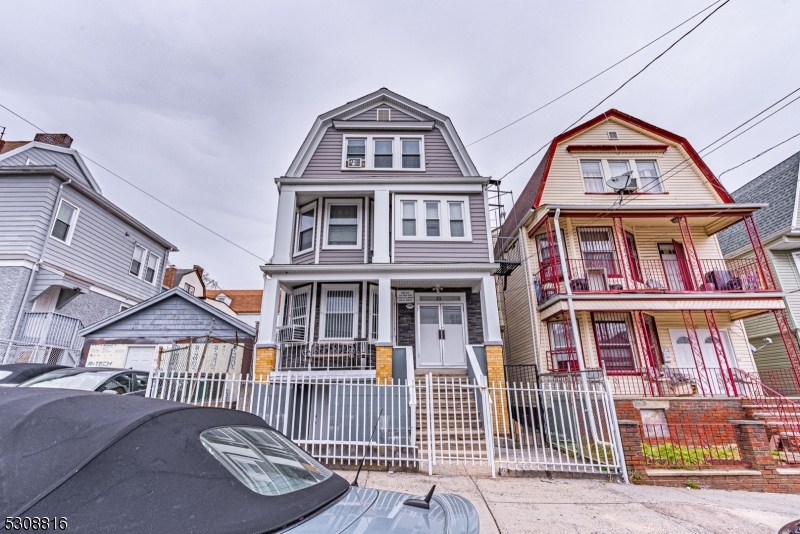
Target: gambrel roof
[(423, 118)]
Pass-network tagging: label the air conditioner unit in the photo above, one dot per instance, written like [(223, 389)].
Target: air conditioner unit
[(613, 135), (356, 163)]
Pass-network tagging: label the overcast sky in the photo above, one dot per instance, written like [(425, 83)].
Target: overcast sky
[(203, 103)]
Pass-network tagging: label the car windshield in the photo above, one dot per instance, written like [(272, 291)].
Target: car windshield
[(67, 379), (263, 460), (4, 374)]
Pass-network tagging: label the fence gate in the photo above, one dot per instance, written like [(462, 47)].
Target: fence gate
[(565, 423)]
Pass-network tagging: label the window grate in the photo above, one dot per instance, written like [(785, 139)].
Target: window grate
[(339, 313)]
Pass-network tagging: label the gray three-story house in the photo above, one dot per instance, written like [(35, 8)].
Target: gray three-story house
[(382, 241), (69, 257)]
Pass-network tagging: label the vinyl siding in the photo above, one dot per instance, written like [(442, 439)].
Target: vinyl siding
[(327, 159), (101, 252), (564, 180), (171, 318), (450, 251), (25, 208), (515, 311), (40, 156), (372, 114)]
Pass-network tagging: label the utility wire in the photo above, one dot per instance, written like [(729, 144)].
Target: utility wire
[(759, 154), (615, 91), (198, 223)]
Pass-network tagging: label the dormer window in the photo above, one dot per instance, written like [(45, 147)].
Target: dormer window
[(383, 153)]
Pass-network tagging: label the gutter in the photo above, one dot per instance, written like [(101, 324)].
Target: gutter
[(39, 262), (572, 319)]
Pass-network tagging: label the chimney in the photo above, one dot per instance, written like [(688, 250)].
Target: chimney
[(169, 277), (62, 140)]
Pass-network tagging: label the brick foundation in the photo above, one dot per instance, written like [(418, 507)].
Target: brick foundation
[(383, 365), (758, 471), (265, 362)]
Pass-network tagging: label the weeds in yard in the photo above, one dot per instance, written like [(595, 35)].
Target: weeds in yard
[(691, 484), (683, 456)]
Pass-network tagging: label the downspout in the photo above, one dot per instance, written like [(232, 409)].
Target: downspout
[(572, 319), (39, 262)]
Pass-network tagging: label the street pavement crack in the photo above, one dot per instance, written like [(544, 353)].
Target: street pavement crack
[(486, 503)]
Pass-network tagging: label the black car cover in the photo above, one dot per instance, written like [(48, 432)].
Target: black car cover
[(125, 464)]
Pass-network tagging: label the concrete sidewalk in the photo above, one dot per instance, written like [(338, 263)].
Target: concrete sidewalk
[(520, 505)]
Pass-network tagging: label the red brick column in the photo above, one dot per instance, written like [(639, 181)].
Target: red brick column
[(754, 448), (632, 446)]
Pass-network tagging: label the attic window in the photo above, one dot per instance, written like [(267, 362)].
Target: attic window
[(613, 136), (384, 115)]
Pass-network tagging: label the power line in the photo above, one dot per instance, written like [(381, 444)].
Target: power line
[(760, 154), (615, 91), (201, 225)]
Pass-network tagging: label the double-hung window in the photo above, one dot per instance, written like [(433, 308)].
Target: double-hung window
[(356, 153), (343, 228), (151, 268), (592, 172), (649, 180), (428, 217), (619, 168), (137, 260), (549, 258), (339, 312), (409, 217), (411, 155), (612, 332), (383, 153), (597, 249), (305, 230), (432, 225), (64, 225)]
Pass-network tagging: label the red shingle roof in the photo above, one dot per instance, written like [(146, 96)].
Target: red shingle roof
[(242, 300)]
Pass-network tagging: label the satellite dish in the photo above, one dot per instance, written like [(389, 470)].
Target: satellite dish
[(622, 182)]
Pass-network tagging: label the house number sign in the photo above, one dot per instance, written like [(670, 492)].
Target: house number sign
[(405, 296)]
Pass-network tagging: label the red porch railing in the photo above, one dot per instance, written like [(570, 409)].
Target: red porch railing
[(781, 380), (561, 360), (674, 382), (608, 275), (694, 446)]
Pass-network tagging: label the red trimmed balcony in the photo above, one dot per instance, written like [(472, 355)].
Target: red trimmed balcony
[(610, 275)]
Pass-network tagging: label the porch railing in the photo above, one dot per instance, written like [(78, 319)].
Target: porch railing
[(49, 329), (562, 360), (325, 355), (610, 275), (676, 382), (781, 380), (21, 352)]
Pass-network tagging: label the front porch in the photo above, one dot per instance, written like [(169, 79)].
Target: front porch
[(353, 327)]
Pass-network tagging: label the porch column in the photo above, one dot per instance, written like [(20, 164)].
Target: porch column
[(383, 346), (265, 346), (492, 339), (381, 225), (282, 251)]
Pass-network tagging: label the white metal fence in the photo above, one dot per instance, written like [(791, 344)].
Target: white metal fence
[(566, 425), (22, 352)]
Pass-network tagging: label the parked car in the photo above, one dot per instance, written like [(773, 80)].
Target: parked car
[(119, 464), (14, 374), (102, 379), (791, 528)]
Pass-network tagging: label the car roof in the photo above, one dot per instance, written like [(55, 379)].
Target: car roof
[(23, 366), (64, 451), (109, 371)]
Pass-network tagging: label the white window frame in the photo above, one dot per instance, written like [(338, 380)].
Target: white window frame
[(142, 265), (444, 218), (372, 312), (290, 309), (307, 207), (631, 165), (397, 152), (158, 265), (324, 305), (73, 221), (377, 114), (360, 218), (186, 286)]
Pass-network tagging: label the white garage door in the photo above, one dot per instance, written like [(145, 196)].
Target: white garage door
[(140, 358)]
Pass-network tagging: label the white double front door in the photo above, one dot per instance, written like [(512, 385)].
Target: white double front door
[(441, 331)]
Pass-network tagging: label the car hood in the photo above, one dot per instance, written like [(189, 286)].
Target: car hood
[(370, 511)]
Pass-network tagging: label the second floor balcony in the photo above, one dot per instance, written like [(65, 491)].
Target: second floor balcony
[(611, 275), (50, 329)]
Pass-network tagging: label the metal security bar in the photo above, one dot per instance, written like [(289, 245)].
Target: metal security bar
[(325, 355), (218, 390)]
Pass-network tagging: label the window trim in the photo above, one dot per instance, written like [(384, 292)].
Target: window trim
[(141, 264), (186, 286), (397, 152), (373, 312), (73, 222), (308, 207), (444, 217), (360, 218), (323, 313), (606, 170), (627, 319), (391, 140), (155, 273)]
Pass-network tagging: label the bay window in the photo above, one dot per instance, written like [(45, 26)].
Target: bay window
[(343, 225), (423, 218), (384, 152)]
